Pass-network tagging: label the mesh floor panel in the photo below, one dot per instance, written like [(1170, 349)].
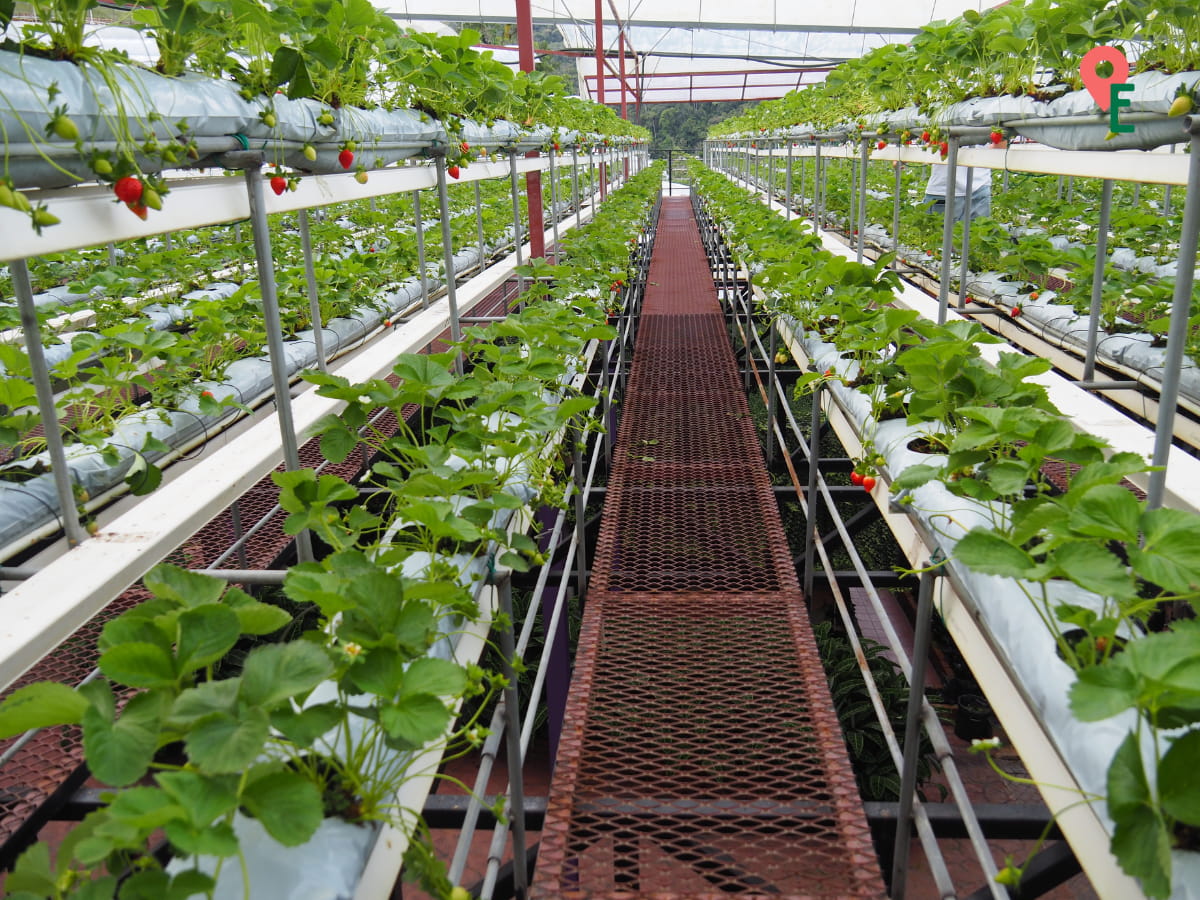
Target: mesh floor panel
[(700, 756)]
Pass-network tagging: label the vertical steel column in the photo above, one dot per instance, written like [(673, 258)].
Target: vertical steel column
[(852, 212), (422, 275), (274, 326), (600, 77), (817, 190), (787, 186), (448, 258), (1168, 190), (912, 736), (810, 508), (670, 172), (575, 183), (515, 187), (896, 214), (23, 289), (512, 737), (112, 253), (862, 198), (772, 349), (1180, 308), (1070, 188), (235, 519), (749, 326), (800, 212), (1106, 196), (479, 238), (310, 280), (947, 229), (1137, 192), (966, 240), (554, 200), (577, 446)]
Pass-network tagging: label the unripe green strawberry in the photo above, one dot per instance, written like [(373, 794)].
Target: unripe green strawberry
[(43, 218), (1181, 106), (101, 166), (64, 127), (310, 152), (269, 119), (151, 198)]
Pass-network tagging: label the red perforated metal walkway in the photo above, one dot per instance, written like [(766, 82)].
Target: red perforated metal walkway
[(701, 755)]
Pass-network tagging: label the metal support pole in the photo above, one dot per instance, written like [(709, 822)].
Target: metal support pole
[(575, 184), (1177, 334), (787, 186), (512, 737), (772, 349), (896, 190), (852, 211), (420, 249), (1106, 196), (479, 238), (314, 300), (580, 511), (554, 199), (749, 329), (235, 519), (670, 172), (810, 497), (912, 736), (966, 241), (274, 327), (817, 190), (23, 289), (448, 257), (948, 230), (515, 187), (112, 253), (1070, 188), (862, 199), (1168, 191)]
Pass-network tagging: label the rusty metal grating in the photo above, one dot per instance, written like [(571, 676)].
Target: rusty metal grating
[(695, 779), (701, 755)]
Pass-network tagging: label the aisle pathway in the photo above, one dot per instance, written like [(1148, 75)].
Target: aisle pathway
[(701, 755)]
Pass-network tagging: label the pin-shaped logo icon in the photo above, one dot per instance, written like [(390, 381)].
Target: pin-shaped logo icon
[(1106, 90)]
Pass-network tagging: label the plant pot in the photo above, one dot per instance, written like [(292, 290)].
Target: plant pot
[(972, 718)]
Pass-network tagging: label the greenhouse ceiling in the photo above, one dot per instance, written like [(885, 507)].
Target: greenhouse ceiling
[(667, 51)]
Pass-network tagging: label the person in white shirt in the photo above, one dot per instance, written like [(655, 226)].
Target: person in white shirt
[(981, 191)]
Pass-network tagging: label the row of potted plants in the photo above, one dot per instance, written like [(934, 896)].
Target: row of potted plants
[(171, 367), (319, 714), (1033, 258), (1025, 49), (317, 86), (1112, 582)]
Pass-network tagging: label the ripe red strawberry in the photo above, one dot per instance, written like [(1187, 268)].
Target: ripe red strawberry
[(128, 189), (207, 394), (997, 136), (868, 483), (278, 184), (454, 171), (139, 210), (856, 478), (926, 136), (466, 148), (387, 323), (944, 148), (1033, 295), (879, 145), (1015, 311), (346, 158), (829, 373)]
